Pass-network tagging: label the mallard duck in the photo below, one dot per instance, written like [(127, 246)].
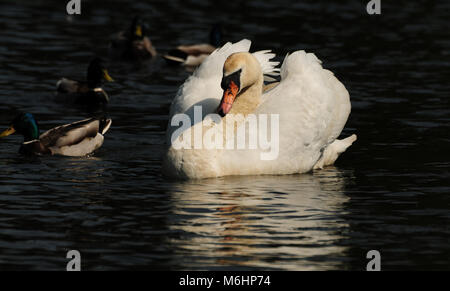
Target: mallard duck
[(193, 55), (88, 94), (132, 44), (75, 139)]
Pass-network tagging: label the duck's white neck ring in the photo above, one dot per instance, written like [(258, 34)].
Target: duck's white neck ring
[(30, 141)]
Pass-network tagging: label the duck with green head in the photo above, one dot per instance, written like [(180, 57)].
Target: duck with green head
[(132, 44), (76, 139), (87, 94)]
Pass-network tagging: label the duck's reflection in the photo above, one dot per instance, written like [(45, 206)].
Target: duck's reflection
[(282, 222), (84, 170)]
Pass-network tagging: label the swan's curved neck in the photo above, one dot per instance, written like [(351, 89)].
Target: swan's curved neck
[(249, 99)]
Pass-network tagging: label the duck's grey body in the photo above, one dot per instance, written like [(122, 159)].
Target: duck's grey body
[(76, 139)]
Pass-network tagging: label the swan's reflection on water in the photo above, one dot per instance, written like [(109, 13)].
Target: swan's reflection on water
[(270, 222)]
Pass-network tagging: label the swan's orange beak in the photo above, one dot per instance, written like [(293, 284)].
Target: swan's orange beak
[(229, 95)]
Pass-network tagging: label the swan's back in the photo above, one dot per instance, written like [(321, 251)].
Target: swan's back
[(313, 107)]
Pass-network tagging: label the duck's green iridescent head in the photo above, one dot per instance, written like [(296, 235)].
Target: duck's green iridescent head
[(24, 124), (97, 73)]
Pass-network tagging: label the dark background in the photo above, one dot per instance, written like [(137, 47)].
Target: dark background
[(388, 192)]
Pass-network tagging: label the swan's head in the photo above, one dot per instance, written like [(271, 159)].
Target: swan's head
[(240, 71)]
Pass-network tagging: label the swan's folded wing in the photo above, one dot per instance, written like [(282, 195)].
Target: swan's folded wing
[(312, 106)]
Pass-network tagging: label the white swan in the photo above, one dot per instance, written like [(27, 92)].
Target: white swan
[(311, 104)]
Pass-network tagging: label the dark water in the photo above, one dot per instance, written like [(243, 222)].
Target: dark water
[(389, 192)]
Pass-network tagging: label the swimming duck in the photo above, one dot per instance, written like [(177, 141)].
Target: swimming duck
[(76, 139), (132, 44), (194, 55), (88, 94), (308, 110)]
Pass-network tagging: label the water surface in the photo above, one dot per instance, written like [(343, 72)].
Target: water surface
[(389, 192)]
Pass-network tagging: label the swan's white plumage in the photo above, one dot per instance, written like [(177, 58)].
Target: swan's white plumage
[(312, 105), (203, 87), (267, 66)]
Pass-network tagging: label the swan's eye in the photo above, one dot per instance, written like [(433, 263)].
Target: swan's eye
[(235, 77)]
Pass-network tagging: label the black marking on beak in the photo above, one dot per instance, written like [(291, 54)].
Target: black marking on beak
[(235, 77)]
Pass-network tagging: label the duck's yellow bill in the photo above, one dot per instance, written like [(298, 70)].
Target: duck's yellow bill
[(138, 31), (107, 76), (7, 132)]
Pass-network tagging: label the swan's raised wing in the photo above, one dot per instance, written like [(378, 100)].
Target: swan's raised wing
[(203, 87), (312, 105), (205, 81)]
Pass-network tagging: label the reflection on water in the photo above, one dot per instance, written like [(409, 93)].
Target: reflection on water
[(273, 222)]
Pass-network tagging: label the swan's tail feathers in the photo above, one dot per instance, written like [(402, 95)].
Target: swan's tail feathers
[(269, 68), (333, 151)]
